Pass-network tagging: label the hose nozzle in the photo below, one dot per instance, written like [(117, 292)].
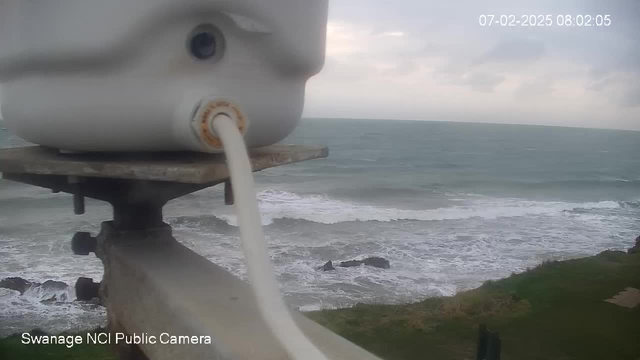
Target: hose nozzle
[(207, 111)]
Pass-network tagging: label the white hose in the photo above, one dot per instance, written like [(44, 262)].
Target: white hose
[(259, 267)]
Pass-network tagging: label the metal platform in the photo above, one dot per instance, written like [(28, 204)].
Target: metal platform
[(186, 167), (135, 183), (152, 284)]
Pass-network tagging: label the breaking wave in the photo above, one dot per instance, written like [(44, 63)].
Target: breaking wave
[(325, 210)]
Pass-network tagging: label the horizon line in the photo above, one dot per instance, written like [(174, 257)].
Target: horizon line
[(472, 122)]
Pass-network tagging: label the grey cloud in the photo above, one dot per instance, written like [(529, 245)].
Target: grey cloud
[(534, 88), (429, 49), (631, 97), (403, 68), (344, 72), (621, 89), (617, 73), (448, 41), (627, 60), (602, 84), (483, 82), (514, 50)]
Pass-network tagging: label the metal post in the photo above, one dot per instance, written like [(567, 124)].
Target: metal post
[(481, 351), (228, 193), (137, 216), (489, 344)]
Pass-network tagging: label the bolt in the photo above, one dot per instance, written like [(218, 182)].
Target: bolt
[(78, 195), (83, 243), (228, 193), (86, 289), (78, 204)]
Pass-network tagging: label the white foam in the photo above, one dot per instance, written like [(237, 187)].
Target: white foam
[(40, 293), (321, 209), (612, 178), (25, 312), (315, 307)]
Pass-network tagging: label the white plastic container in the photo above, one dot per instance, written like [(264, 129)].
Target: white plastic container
[(143, 75)]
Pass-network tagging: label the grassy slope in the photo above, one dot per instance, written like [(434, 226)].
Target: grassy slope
[(553, 312), (12, 349)]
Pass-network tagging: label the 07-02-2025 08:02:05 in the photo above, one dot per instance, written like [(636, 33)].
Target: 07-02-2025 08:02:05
[(545, 20)]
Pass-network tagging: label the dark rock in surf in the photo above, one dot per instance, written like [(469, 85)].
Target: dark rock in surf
[(16, 283), (350, 263), (328, 266), (50, 286), (378, 262), (54, 285), (374, 261), (50, 300)]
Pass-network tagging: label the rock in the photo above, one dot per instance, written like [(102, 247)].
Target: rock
[(612, 255), (350, 263), (378, 262), (16, 283), (37, 332), (49, 301), (21, 285), (52, 291), (53, 285), (328, 266), (374, 261), (636, 248)]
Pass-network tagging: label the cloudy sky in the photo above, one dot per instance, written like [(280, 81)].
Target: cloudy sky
[(431, 60)]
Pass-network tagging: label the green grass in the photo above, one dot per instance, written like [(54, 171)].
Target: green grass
[(11, 348), (553, 312)]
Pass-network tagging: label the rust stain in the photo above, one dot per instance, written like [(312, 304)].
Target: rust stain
[(210, 108)]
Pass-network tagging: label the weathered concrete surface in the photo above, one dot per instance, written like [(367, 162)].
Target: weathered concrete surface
[(153, 284), (193, 168)]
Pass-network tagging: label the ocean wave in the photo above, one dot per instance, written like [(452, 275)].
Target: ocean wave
[(201, 221), (50, 293), (588, 183), (630, 204), (381, 191), (614, 179), (321, 209)]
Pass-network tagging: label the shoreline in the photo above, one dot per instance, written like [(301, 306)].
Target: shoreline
[(547, 305)]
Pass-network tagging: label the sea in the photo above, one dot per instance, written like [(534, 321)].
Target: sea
[(449, 205)]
